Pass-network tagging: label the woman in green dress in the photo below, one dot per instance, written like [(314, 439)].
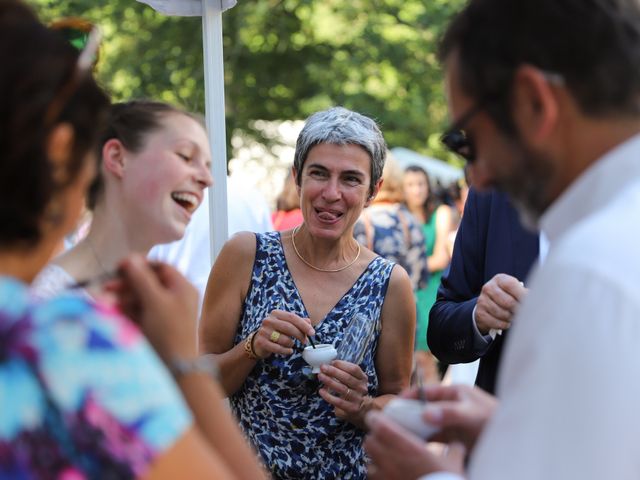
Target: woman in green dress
[(437, 223)]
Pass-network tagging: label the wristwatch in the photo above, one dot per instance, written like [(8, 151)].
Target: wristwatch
[(204, 364)]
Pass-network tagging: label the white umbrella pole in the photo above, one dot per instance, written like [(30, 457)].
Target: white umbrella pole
[(214, 109)]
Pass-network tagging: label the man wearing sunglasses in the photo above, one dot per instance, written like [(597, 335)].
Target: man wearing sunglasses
[(545, 96)]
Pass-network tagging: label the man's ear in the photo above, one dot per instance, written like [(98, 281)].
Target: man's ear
[(534, 104), (59, 148), (373, 195), (113, 157)]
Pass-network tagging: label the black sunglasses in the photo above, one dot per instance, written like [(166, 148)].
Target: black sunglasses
[(456, 139), (89, 42)]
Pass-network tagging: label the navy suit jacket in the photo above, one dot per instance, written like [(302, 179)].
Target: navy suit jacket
[(490, 240)]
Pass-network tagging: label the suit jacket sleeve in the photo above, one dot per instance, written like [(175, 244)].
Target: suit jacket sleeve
[(451, 333)]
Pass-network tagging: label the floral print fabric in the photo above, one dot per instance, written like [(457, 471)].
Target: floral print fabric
[(296, 432), (82, 394), (392, 232)]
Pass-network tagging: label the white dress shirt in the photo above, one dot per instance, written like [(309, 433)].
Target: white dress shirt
[(570, 376)]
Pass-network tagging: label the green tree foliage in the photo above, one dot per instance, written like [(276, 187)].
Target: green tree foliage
[(143, 53), (285, 59)]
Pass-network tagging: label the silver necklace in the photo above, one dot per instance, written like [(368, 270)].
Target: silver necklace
[(326, 270)]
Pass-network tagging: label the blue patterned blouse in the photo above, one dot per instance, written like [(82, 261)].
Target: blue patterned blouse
[(280, 410), (82, 394), (390, 230)]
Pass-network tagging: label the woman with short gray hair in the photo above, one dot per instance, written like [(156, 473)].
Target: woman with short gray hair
[(270, 294), (339, 126)]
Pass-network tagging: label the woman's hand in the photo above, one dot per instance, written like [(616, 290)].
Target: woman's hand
[(346, 388), (278, 332), (162, 302)]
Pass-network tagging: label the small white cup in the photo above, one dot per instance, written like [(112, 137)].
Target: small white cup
[(323, 353), (407, 413)]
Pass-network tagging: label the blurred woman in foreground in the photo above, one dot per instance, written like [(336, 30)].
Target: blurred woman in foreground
[(83, 395)]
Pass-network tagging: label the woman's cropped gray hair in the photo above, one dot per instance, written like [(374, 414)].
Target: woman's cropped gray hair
[(340, 126)]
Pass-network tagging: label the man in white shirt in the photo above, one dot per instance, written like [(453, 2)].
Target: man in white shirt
[(546, 99)]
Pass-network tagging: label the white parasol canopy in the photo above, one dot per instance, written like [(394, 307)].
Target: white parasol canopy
[(211, 12), (437, 169)]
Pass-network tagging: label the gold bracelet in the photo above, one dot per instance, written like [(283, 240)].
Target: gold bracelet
[(248, 346)]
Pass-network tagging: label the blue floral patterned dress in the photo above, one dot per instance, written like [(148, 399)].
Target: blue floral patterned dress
[(82, 394), (390, 230), (279, 408)]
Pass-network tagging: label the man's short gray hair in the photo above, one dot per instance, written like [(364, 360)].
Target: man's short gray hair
[(340, 126)]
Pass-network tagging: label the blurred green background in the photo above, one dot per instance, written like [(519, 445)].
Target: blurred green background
[(284, 59)]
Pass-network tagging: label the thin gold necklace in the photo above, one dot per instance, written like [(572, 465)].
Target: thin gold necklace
[(327, 270)]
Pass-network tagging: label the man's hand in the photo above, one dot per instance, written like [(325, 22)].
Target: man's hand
[(460, 412), (397, 454), (498, 302)]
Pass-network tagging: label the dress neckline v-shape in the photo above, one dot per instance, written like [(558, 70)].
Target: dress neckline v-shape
[(356, 283)]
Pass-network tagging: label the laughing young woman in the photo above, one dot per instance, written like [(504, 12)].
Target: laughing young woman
[(82, 393), (154, 169), (268, 292)]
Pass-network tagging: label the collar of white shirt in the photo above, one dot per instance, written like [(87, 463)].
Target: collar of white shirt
[(594, 188)]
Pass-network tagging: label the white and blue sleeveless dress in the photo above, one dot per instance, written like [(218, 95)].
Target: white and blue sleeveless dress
[(278, 406)]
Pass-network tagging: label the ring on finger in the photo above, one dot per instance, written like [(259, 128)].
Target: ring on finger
[(346, 395), (275, 335)]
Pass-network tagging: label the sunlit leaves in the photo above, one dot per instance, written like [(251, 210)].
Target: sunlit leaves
[(285, 59)]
